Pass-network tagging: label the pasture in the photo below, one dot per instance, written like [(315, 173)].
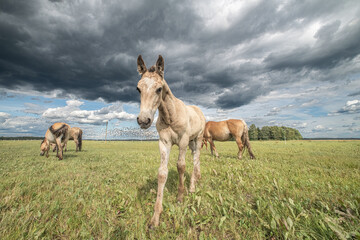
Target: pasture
[(301, 189)]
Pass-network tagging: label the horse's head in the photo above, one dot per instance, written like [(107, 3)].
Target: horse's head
[(44, 147), (150, 88)]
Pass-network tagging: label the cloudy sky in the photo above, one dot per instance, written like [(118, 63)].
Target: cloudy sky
[(282, 63)]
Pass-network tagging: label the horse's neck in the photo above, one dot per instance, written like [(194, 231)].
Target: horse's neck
[(167, 108)]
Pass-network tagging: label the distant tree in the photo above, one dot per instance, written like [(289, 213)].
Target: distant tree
[(253, 132), (290, 133), (258, 133), (265, 133), (273, 133), (298, 135)]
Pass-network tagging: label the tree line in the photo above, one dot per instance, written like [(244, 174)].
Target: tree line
[(273, 133)]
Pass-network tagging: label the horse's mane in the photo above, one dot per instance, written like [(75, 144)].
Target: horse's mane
[(152, 69)]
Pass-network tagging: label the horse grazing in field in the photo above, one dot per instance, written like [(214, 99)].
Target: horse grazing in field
[(224, 131), (59, 134), (76, 135), (177, 124)]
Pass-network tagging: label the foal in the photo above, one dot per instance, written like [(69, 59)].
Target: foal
[(176, 124), (75, 134)]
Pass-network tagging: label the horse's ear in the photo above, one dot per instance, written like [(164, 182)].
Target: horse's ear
[(141, 65), (160, 66)]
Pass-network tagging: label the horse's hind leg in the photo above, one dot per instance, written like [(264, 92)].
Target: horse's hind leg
[(195, 147), (240, 146), (76, 144), (213, 149)]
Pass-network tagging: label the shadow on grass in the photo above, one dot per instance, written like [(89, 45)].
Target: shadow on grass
[(119, 233), (245, 155), (73, 150), (65, 156), (145, 191)]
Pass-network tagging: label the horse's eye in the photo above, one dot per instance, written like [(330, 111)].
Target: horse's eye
[(158, 90), (138, 90)]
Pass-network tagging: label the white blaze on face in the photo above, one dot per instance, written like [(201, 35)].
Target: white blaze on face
[(149, 83)]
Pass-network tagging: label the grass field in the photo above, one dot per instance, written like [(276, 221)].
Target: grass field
[(301, 189)]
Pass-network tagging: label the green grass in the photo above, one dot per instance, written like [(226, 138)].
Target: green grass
[(297, 190)]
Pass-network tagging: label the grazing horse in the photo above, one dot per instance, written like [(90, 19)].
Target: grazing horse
[(57, 133), (177, 124), (76, 135), (204, 142), (224, 131)]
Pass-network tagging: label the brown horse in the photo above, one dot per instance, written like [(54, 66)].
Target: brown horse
[(177, 124), (224, 131), (57, 133), (76, 135)]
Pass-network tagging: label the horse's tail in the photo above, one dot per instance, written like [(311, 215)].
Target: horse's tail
[(80, 139), (246, 140)]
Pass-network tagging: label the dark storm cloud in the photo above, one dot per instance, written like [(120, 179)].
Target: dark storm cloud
[(331, 48), (357, 93), (89, 49)]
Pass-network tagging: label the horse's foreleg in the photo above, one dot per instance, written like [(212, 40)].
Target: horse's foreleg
[(181, 168), (59, 148), (196, 175), (162, 177), (240, 146)]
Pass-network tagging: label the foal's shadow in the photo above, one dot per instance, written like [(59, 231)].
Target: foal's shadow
[(150, 187)]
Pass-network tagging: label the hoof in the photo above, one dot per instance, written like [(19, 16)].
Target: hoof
[(154, 222), (180, 199)]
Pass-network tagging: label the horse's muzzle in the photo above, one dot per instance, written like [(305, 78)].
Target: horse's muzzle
[(42, 154), (144, 122)]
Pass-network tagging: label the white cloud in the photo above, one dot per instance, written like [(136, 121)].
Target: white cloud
[(72, 113), (34, 108), (310, 103), (352, 106), (319, 127), (274, 111), (4, 115)]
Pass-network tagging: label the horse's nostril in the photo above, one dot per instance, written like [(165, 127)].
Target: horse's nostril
[(148, 121)]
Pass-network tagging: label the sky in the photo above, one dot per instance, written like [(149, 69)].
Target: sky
[(271, 63)]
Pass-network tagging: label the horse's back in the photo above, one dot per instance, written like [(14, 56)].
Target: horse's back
[(56, 130), (236, 126), (74, 132)]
